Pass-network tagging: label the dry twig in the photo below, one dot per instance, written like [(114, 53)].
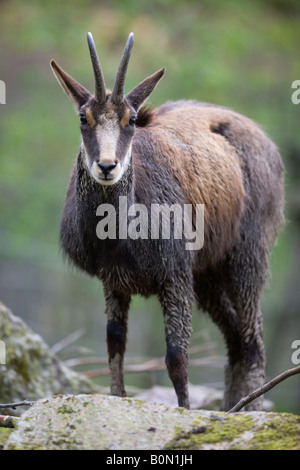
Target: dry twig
[(154, 364), (65, 342), (265, 388), (15, 405)]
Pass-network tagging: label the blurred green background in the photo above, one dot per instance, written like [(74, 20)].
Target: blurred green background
[(240, 54)]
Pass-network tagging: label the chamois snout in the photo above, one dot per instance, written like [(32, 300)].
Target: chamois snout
[(106, 168), (106, 171)]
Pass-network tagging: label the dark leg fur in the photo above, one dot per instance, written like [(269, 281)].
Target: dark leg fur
[(117, 314), (177, 315), (231, 296), (247, 273), (246, 371), (177, 365)]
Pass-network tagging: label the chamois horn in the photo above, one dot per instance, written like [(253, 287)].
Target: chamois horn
[(119, 85), (100, 89)]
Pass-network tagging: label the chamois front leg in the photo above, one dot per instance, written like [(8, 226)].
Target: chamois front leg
[(177, 309), (117, 306)]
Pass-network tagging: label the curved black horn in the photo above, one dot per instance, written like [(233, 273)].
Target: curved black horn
[(100, 90), (118, 90)]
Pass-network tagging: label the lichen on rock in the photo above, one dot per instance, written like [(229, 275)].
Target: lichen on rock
[(4, 435), (69, 415), (242, 431), (101, 422), (31, 371)]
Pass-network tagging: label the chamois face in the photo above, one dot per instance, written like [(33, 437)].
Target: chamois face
[(107, 132), (107, 119)]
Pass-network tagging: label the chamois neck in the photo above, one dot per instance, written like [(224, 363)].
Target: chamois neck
[(123, 187)]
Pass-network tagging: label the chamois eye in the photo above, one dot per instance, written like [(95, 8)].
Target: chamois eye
[(82, 118), (132, 120)]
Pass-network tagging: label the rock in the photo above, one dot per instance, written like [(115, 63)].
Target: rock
[(100, 422), (4, 434), (30, 371), (201, 397)]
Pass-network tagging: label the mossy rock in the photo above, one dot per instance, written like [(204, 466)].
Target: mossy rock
[(4, 435), (103, 422), (30, 370)]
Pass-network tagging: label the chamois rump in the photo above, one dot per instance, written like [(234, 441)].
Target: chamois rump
[(182, 152)]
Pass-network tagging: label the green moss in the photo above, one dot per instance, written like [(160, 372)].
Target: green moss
[(279, 432), (139, 402), (16, 447), (216, 430), (136, 401), (21, 366), (4, 434), (65, 410)]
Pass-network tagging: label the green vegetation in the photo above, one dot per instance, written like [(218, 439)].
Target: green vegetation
[(4, 435), (238, 54)]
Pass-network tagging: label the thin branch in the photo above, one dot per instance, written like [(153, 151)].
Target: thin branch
[(265, 388), (81, 361), (14, 405), (152, 364), (65, 342), (210, 346), (155, 364)]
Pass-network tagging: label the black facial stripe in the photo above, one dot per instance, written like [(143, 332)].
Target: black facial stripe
[(91, 143), (123, 144)]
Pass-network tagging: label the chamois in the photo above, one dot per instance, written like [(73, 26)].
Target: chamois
[(180, 153)]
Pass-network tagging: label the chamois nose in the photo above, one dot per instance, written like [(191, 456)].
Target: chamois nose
[(106, 168)]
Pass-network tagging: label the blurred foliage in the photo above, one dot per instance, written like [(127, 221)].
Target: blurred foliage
[(240, 54)]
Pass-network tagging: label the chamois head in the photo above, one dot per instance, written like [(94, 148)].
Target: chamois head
[(107, 120)]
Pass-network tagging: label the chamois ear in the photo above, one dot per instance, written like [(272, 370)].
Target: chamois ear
[(76, 92), (141, 92)]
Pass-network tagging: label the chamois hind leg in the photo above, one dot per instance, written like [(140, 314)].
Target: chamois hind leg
[(117, 305), (247, 270), (177, 309), (239, 319)]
